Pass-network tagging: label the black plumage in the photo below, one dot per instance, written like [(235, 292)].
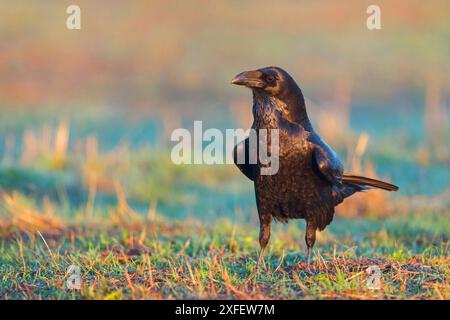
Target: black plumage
[(310, 181)]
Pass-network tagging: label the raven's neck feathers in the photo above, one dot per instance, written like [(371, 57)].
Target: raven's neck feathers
[(291, 105), (295, 104)]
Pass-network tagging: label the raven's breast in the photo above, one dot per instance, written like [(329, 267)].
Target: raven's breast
[(288, 194)]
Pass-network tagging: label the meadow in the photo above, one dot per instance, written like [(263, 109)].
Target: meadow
[(86, 178), (140, 227)]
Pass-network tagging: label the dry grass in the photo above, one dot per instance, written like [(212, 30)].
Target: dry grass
[(124, 256), (19, 214)]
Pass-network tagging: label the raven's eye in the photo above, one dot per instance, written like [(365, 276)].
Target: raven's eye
[(270, 78)]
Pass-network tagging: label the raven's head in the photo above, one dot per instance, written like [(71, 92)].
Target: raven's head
[(278, 85), (272, 81)]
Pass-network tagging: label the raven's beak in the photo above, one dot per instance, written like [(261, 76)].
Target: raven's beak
[(251, 79)]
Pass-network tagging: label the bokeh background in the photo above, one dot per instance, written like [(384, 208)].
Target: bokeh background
[(86, 116), (85, 172)]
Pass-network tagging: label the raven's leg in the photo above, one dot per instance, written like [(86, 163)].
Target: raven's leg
[(310, 237), (264, 235)]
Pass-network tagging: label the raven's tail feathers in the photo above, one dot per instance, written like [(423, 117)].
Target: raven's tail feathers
[(364, 181)]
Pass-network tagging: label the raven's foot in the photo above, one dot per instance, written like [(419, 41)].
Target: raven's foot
[(308, 260), (306, 266), (255, 273)]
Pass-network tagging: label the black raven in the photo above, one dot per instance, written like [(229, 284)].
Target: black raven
[(310, 180)]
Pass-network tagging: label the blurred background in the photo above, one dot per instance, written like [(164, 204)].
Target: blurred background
[(86, 115)]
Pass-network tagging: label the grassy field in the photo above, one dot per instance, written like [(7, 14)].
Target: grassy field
[(132, 257), (140, 227)]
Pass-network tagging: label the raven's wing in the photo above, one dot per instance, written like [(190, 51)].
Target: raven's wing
[(241, 156), (327, 164)]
